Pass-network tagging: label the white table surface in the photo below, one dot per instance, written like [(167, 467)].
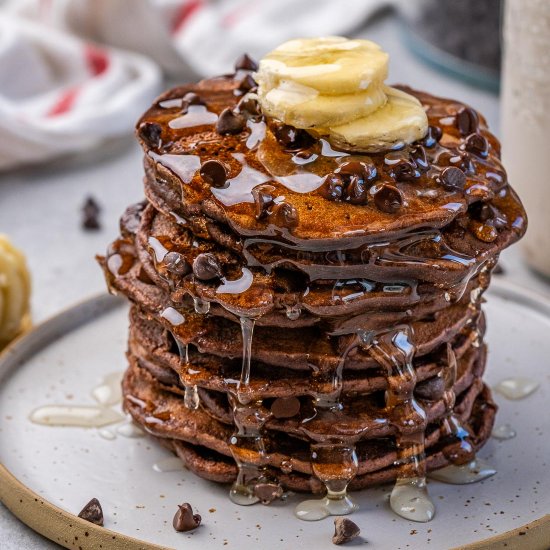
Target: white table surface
[(40, 210)]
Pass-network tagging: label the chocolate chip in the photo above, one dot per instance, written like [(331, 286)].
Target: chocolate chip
[(404, 170), (92, 512), (206, 267), (420, 159), (190, 98), (90, 214), (285, 407), (247, 83), (246, 63), (268, 492), (292, 139), (249, 107), (432, 137), (230, 122), (175, 263), (333, 187), (130, 220), (263, 199), (467, 121), (285, 215), (214, 173), (345, 531), (452, 178), (150, 133), (364, 170), (477, 144), (388, 198), (184, 519), (431, 389), (356, 191)]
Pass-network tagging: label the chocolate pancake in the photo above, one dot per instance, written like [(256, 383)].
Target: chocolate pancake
[(306, 316)]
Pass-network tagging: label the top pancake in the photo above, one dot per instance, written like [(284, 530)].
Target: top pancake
[(293, 173)]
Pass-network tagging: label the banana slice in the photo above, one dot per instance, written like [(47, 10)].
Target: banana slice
[(400, 121), (14, 292), (304, 107), (331, 65)]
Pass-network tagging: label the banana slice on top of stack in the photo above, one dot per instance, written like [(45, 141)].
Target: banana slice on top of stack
[(334, 87), (15, 289)]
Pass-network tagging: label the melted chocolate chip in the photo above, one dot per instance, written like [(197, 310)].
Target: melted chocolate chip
[(230, 122), (431, 389), (467, 121), (356, 191), (452, 178), (432, 136), (247, 83), (404, 170), (150, 133), (246, 63), (214, 173), (292, 139), (285, 407), (388, 198), (175, 263), (345, 531), (206, 267), (92, 512), (268, 492), (184, 519), (285, 215), (477, 144), (90, 214), (263, 200), (333, 187), (130, 220), (249, 107), (420, 159)]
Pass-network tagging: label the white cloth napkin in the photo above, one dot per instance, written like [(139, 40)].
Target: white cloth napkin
[(60, 92)]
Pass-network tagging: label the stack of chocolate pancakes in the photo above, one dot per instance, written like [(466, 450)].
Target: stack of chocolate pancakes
[(305, 317)]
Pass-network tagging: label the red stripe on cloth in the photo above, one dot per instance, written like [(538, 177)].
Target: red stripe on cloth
[(64, 103), (96, 58), (185, 11), (235, 16)]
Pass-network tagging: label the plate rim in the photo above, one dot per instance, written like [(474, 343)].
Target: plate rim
[(70, 531)]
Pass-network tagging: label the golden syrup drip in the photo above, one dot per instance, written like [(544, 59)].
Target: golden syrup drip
[(191, 396), (394, 351)]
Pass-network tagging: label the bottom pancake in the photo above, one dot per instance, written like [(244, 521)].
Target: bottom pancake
[(201, 442)]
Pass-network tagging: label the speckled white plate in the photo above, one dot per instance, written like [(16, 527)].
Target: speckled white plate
[(48, 473)]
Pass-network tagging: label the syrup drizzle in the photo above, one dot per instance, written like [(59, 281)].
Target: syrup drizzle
[(191, 396)]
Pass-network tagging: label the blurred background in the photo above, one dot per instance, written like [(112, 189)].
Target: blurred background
[(76, 74)]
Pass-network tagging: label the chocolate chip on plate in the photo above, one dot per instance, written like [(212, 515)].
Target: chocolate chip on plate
[(230, 122), (452, 178), (268, 492), (285, 407), (388, 198), (467, 121), (214, 173), (206, 267), (92, 512), (245, 63), (345, 531), (150, 133), (90, 214), (184, 519)]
